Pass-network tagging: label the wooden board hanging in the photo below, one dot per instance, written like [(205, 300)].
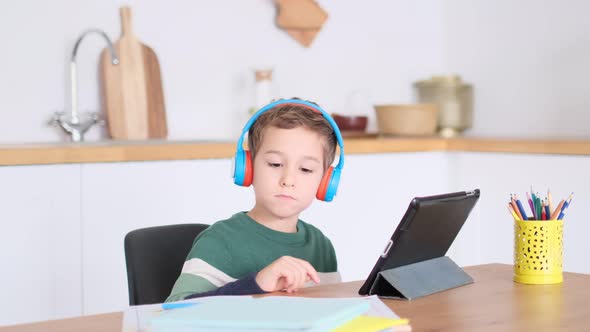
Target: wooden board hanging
[(301, 19)]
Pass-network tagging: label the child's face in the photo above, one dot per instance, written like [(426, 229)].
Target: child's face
[(288, 169)]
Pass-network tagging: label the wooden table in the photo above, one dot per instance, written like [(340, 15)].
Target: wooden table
[(493, 303)]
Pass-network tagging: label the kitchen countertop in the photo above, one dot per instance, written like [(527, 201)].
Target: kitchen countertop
[(123, 151)]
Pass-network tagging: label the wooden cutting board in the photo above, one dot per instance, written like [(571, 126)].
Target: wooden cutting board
[(132, 90), (301, 19)]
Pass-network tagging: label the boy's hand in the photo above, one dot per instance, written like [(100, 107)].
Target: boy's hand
[(286, 273)]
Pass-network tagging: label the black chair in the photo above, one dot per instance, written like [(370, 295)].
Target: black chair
[(154, 258)]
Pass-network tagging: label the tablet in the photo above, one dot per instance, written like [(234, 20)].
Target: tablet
[(426, 231)]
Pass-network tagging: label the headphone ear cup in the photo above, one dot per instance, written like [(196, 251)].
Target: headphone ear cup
[(243, 170), (239, 167), (249, 170), (329, 185), (333, 184), (324, 184)]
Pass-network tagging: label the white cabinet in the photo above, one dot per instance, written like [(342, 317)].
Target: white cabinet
[(40, 246), (63, 225)]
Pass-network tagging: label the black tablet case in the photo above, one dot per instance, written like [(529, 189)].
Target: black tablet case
[(414, 263)]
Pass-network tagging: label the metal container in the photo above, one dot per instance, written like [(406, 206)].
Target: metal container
[(455, 101)]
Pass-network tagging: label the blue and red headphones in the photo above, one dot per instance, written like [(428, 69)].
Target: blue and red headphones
[(243, 169)]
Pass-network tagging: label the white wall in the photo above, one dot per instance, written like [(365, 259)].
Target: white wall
[(206, 51), (529, 62)]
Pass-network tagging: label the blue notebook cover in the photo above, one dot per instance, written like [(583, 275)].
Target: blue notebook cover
[(266, 313)]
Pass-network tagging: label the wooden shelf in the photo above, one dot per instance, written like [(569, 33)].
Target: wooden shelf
[(123, 151)]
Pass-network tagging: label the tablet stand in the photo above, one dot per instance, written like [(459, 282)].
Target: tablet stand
[(419, 279)]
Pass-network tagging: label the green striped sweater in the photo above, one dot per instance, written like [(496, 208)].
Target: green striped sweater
[(233, 248)]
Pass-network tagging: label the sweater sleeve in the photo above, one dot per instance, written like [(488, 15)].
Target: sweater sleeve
[(243, 286), (205, 269)]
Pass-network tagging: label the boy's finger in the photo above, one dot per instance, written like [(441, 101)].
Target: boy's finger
[(308, 271), (298, 271), (288, 279), (304, 271), (315, 277), (311, 272), (281, 284)]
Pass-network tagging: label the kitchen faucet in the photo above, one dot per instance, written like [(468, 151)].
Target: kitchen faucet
[(77, 124)]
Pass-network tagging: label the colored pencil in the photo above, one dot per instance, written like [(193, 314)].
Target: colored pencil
[(520, 208), (531, 205), (566, 204), (557, 210), (515, 207), (512, 212)]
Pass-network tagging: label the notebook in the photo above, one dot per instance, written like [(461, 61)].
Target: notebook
[(374, 324), (276, 313)]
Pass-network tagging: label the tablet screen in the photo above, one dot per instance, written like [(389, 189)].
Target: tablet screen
[(426, 231)]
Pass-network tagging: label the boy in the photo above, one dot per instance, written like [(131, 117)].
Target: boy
[(292, 145)]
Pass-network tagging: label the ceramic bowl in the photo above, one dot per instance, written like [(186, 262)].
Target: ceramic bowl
[(407, 120), (347, 123)]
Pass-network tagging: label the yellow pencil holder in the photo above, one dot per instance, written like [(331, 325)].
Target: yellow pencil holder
[(538, 251)]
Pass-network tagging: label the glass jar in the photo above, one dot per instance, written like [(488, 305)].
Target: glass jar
[(263, 89)]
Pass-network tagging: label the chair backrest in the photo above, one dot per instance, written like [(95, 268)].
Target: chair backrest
[(154, 258)]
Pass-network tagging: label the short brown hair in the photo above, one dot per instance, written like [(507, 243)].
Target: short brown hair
[(289, 116)]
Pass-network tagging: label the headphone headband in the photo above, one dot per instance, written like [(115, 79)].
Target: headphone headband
[(296, 102)]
